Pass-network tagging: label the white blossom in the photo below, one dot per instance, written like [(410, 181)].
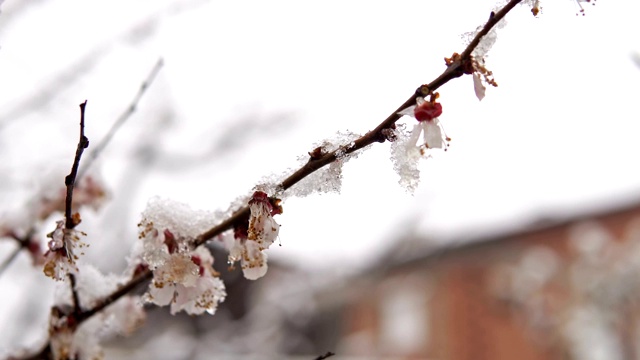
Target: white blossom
[(406, 149), (261, 232), (61, 258), (183, 277), (263, 229), (195, 292)]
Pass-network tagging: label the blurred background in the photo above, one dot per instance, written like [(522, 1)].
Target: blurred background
[(521, 239)]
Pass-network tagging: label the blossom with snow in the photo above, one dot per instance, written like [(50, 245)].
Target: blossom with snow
[(188, 283), (60, 259), (248, 244), (182, 277), (405, 149), (426, 112)]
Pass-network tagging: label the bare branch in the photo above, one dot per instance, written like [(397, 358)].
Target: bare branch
[(97, 150), (454, 70), (325, 356), (14, 254)]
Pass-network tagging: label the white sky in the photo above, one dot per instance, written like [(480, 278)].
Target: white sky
[(558, 133)]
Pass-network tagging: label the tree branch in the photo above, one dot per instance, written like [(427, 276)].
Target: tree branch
[(454, 70), (325, 356)]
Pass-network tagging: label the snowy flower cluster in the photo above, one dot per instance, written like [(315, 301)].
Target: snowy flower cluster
[(248, 245), (182, 276)]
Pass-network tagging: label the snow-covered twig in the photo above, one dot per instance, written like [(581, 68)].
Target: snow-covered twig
[(456, 67)]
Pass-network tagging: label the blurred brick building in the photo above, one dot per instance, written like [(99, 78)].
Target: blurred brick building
[(563, 289)]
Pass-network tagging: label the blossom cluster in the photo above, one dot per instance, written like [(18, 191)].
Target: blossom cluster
[(182, 277)]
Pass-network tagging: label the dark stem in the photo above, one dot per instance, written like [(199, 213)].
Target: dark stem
[(70, 180), (74, 294), (113, 297), (5, 264), (325, 356)]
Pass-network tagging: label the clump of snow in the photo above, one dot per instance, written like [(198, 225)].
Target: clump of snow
[(180, 218), (405, 158), (183, 277), (487, 41), (329, 178)]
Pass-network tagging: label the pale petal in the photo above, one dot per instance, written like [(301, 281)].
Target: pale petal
[(478, 87), (254, 261), (433, 134), (408, 111)]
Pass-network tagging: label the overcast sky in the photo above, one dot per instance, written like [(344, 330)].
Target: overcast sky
[(248, 86)]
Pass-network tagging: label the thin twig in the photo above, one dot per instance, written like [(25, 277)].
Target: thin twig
[(114, 296), (97, 150), (377, 135), (70, 180), (23, 242), (325, 356), (9, 260), (453, 71), (74, 294)]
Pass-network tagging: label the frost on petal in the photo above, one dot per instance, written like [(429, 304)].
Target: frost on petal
[(254, 261), (405, 155), (178, 268), (478, 87)]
